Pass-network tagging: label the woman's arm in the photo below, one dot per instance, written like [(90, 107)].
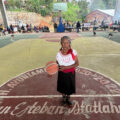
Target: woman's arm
[(61, 68)]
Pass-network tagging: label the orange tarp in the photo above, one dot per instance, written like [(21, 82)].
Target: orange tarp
[(44, 23)]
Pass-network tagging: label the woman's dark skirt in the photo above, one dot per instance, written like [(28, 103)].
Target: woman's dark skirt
[(66, 83)]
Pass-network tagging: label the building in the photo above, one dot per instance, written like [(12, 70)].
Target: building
[(117, 12), (100, 15)]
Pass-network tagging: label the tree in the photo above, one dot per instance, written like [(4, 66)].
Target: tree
[(110, 4), (18, 3), (40, 6), (103, 4), (11, 4), (44, 7), (83, 6), (97, 4), (71, 13)]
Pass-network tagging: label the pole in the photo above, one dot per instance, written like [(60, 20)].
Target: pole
[(3, 11)]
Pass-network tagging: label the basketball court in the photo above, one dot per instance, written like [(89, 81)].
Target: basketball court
[(32, 95), (28, 92)]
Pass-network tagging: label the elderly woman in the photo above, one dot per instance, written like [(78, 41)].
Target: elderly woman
[(67, 60)]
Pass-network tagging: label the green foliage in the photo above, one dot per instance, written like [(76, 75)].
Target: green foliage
[(103, 4), (11, 4), (76, 10), (83, 6), (18, 4), (110, 4), (97, 4), (71, 14), (43, 7)]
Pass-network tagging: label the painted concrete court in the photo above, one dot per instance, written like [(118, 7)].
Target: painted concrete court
[(31, 94)]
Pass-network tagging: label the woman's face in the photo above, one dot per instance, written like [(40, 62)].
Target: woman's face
[(65, 44)]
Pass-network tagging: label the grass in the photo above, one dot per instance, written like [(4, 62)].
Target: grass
[(96, 53)]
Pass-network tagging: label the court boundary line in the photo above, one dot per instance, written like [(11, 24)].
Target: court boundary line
[(117, 54), (52, 95), (21, 74), (45, 71), (59, 96), (103, 75)]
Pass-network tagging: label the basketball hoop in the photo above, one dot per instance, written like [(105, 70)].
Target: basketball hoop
[(57, 7), (60, 13)]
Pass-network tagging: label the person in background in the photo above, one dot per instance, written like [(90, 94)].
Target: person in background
[(55, 27), (78, 26), (11, 28)]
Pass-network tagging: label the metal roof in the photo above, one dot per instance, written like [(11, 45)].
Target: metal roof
[(108, 11)]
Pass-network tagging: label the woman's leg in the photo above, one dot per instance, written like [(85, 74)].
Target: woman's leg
[(68, 101), (64, 99)]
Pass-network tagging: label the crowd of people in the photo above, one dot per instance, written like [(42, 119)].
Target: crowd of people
[(2, 30), (76, 26), (116, 26), (26, 28), (69, 26)]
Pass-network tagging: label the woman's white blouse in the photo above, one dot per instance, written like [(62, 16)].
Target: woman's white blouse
[(65, 60)]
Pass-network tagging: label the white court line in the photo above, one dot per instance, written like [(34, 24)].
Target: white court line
[(105, 54), (20, 75), (51, 96), (102, 75), (45, 71), (55, 96)]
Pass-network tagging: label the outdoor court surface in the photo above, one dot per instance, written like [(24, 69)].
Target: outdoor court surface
[(32, 95)]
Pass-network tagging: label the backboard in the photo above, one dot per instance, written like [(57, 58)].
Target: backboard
[(59, 7)]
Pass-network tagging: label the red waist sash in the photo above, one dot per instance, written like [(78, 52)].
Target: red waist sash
[(69, 70)]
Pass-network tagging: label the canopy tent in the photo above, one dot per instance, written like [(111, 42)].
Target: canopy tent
[(117, 12)]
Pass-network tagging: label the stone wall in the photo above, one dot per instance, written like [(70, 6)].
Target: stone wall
[(27, 17)]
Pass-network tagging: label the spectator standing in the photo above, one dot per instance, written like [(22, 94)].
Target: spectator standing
[(78, 26), (55, 27)]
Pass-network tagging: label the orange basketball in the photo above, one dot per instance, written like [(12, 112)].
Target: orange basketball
[(51, 67)]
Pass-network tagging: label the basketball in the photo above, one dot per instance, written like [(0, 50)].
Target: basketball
[(51, 67)]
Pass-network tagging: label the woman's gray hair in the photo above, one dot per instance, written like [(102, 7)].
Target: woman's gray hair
[(67, 38)]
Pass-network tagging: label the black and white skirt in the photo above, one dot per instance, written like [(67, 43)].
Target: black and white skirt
[(66, 83)]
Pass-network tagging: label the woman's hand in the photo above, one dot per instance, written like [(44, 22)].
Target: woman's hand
[(61, 68)]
